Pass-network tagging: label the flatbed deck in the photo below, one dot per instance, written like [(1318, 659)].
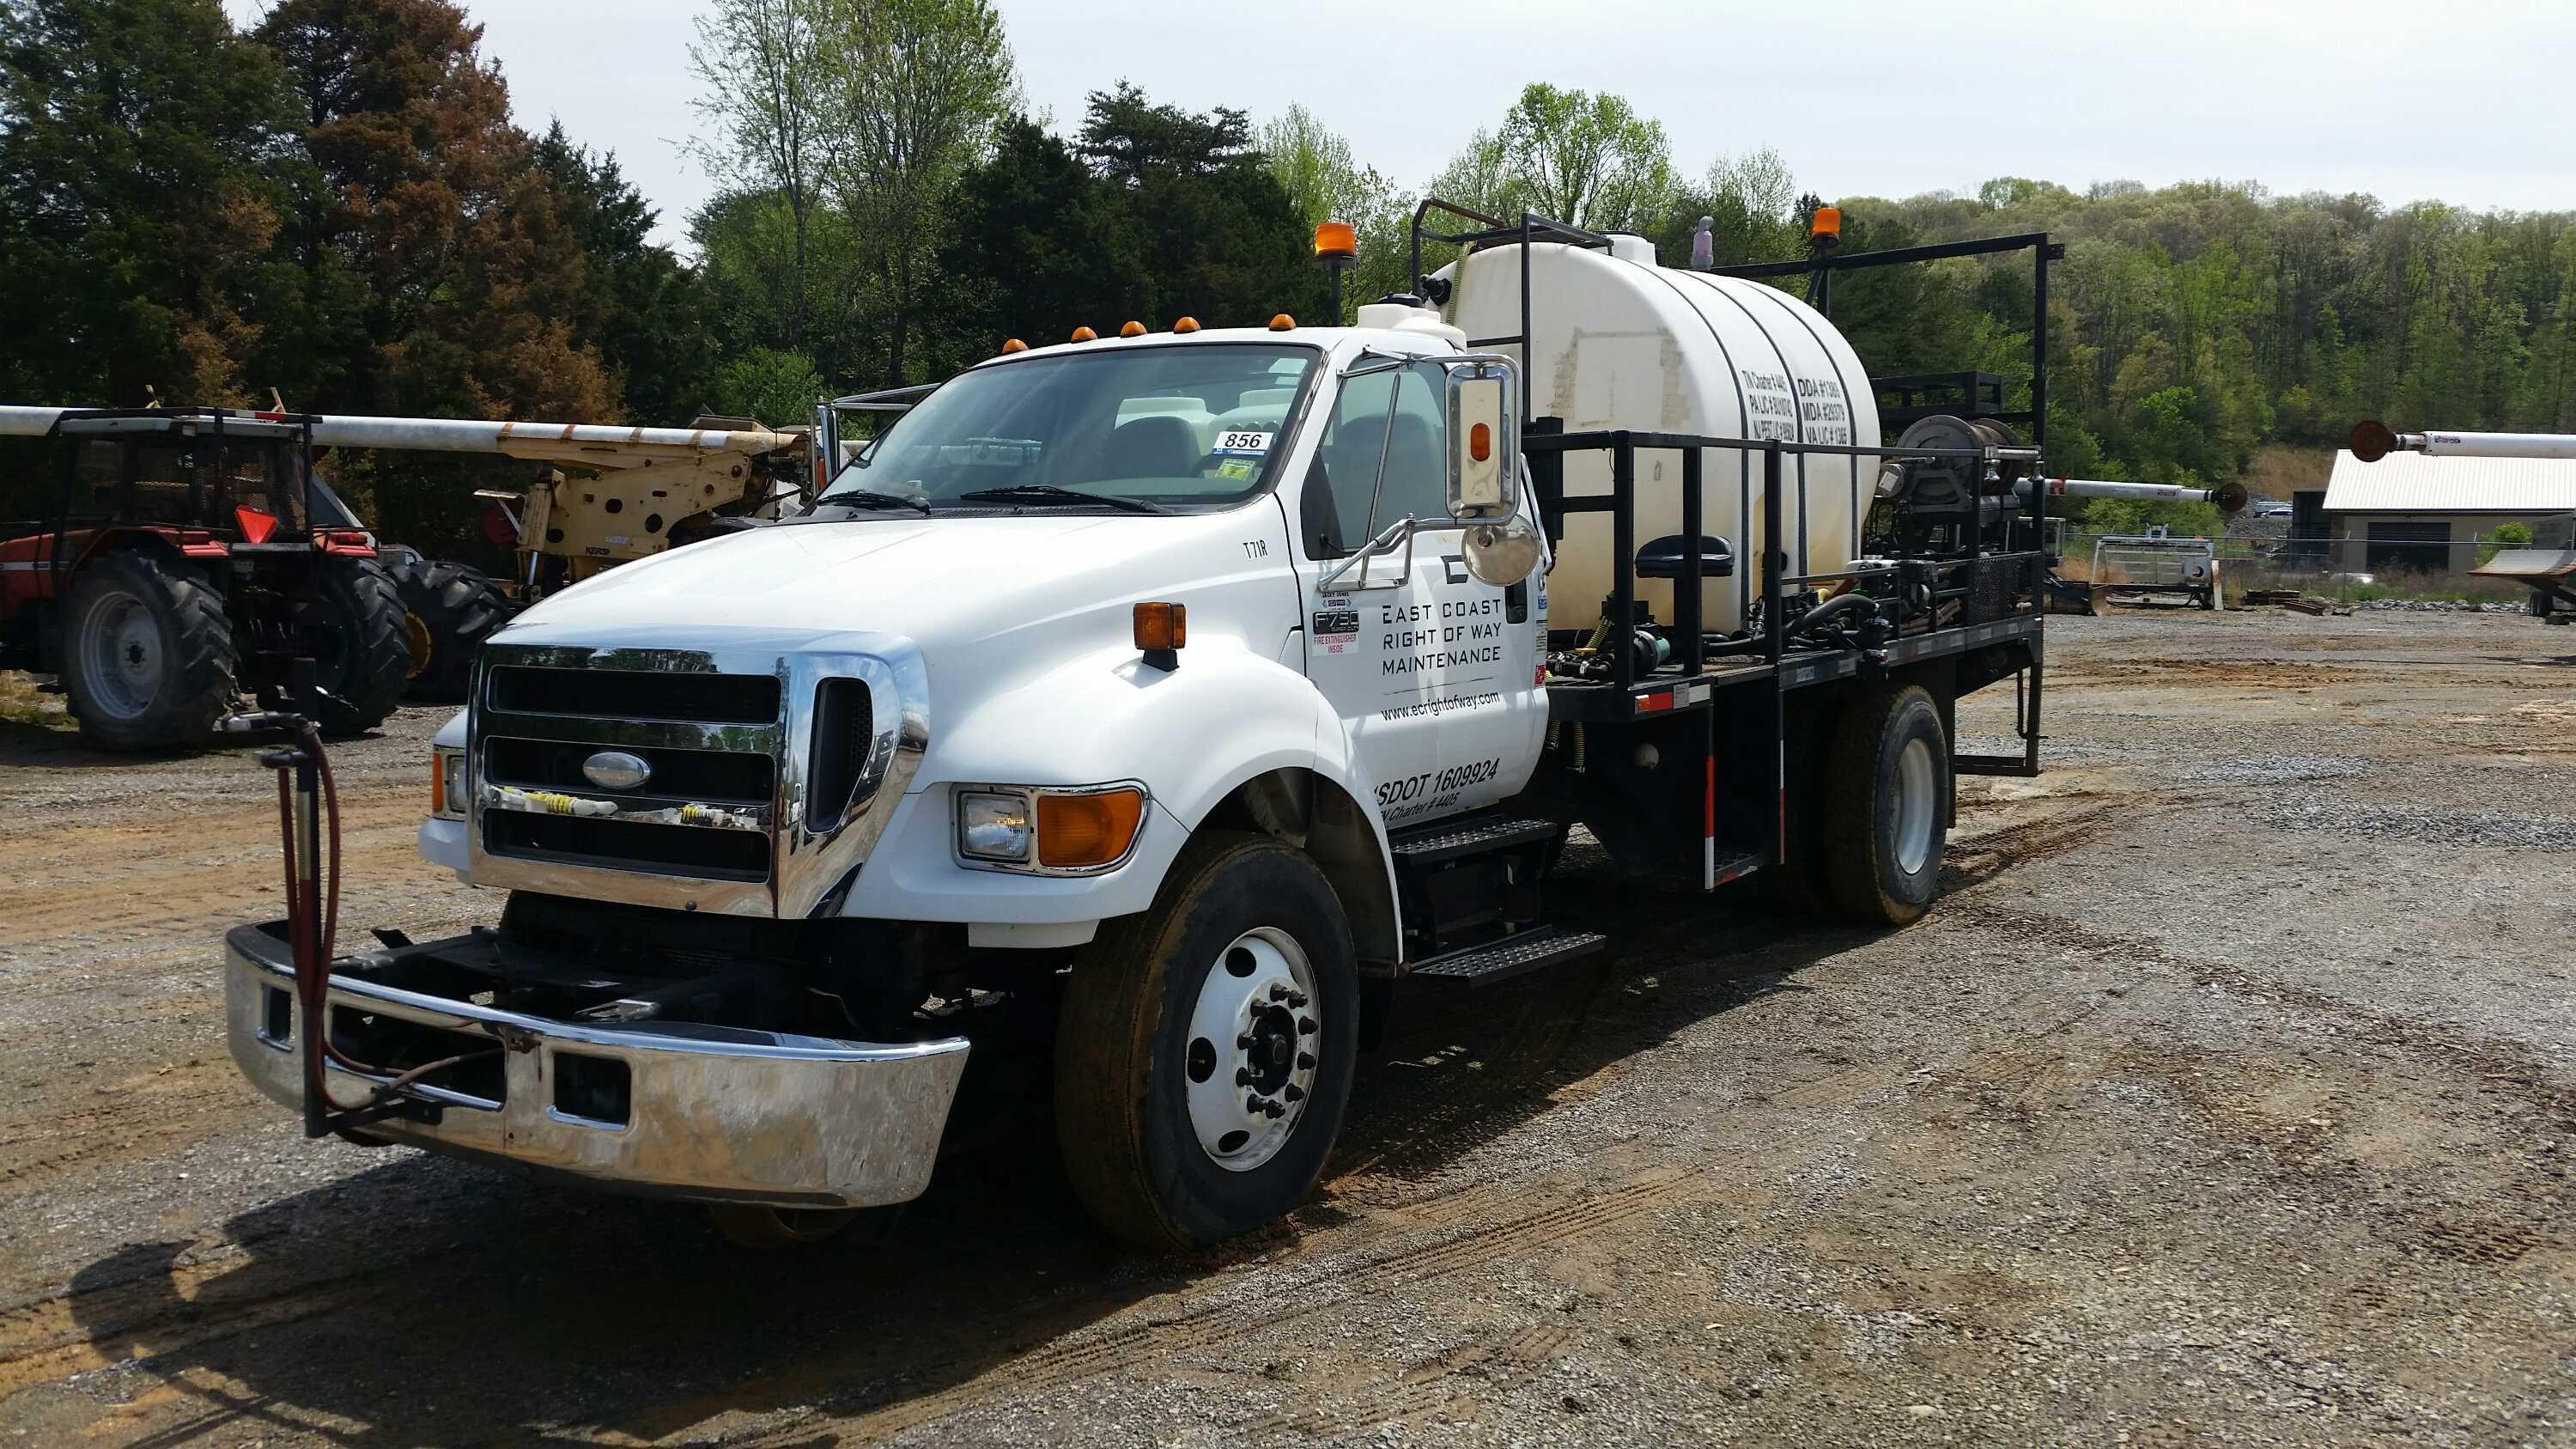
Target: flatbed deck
[(1677, 689)]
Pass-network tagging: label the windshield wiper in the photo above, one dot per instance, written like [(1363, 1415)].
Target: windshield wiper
[(870, 498), (1049, 493)]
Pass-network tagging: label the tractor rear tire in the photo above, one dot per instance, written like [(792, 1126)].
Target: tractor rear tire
[(354, 629), (1887, 806), (449, 610), (147, 654)]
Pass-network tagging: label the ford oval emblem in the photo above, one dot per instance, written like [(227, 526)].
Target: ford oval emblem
[(616, 770)]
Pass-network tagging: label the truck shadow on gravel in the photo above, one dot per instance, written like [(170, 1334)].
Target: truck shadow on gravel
[(427, 1299)]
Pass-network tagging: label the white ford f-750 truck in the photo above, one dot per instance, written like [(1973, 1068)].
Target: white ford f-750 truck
[(1191, 694)]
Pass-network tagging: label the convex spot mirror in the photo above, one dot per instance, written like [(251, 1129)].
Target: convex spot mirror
[(1484, 440), (1502, 553)]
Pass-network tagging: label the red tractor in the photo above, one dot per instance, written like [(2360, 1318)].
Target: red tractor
[(193, 556)]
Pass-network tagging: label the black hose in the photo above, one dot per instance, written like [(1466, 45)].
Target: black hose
[(1825, 612)]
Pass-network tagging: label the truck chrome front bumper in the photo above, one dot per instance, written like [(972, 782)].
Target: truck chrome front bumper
[(716, 1114)]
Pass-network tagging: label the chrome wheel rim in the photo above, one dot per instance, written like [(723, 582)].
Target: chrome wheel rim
[(1249, 1064), (123, 655), (1915, 810)]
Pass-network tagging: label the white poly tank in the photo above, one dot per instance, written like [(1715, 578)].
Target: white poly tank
[(1620, 342)]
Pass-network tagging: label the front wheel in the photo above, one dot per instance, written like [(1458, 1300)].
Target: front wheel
[(1205, 1050)]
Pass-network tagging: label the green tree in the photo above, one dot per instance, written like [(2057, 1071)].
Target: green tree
[(771, 386), (145, 169), (641, 308), (1314, 165), (433, 200), (1587, 159), (768, 85), (916, 88)]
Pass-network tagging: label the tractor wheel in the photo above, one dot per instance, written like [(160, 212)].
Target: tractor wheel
[(147, 654), (354, 629), (448, 611)]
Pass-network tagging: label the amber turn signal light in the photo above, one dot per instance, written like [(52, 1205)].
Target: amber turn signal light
[(1480, 442), (1088, 830)]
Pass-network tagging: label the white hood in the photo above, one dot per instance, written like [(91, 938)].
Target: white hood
[(1045, 585)]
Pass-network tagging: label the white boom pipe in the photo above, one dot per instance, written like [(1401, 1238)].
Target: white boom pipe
[(2372, 441), (2228, 496), (468, 435)]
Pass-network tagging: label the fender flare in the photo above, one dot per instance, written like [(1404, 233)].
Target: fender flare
[(1196, 735)]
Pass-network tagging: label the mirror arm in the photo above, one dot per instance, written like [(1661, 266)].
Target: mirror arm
[(1331, 583)]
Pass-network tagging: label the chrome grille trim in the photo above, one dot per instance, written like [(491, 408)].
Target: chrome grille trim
[(806, 865)]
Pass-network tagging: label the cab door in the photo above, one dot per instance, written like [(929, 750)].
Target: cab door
[(1431, 669)]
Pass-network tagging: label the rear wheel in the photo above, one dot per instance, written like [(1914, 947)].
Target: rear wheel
[(147, 654), (1204, 1054), (354, 631), (1887, 797), (449, 610)]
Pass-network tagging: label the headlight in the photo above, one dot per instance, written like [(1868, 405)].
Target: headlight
[(1049, 830), (996, 827), (447, 784)]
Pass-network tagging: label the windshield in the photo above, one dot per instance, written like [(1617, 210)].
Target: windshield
[(1183, 426)]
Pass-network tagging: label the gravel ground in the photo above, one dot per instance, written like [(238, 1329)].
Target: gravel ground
[(2228, 1096)]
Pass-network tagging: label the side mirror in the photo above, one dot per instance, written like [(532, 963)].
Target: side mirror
[(1484, 440)]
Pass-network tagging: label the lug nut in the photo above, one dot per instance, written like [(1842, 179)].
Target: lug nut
[(1278, 992), (1243, 1042), (1297, 998), (1295, 1093), (1273, 1110), (1305, 1026), (1254, 1103), (1305, 1061), (1243, 1076)]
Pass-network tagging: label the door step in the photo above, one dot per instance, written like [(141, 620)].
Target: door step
[(1450, 839), (1514, 955)]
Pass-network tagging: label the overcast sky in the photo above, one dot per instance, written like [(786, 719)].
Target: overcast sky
[(2468, 102)]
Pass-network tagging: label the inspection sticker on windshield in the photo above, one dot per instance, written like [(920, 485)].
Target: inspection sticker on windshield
[(1254, 444)]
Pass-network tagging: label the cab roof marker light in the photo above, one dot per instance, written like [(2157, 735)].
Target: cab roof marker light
[(1281, 322), (1085, 334), (1013, 344), (1186, 324), (1132, 329)]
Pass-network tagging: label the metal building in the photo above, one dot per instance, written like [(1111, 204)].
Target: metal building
[(2410, 512)]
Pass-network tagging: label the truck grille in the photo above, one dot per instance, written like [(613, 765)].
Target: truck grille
[(709, 740), (635, 694), (768, 772)]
